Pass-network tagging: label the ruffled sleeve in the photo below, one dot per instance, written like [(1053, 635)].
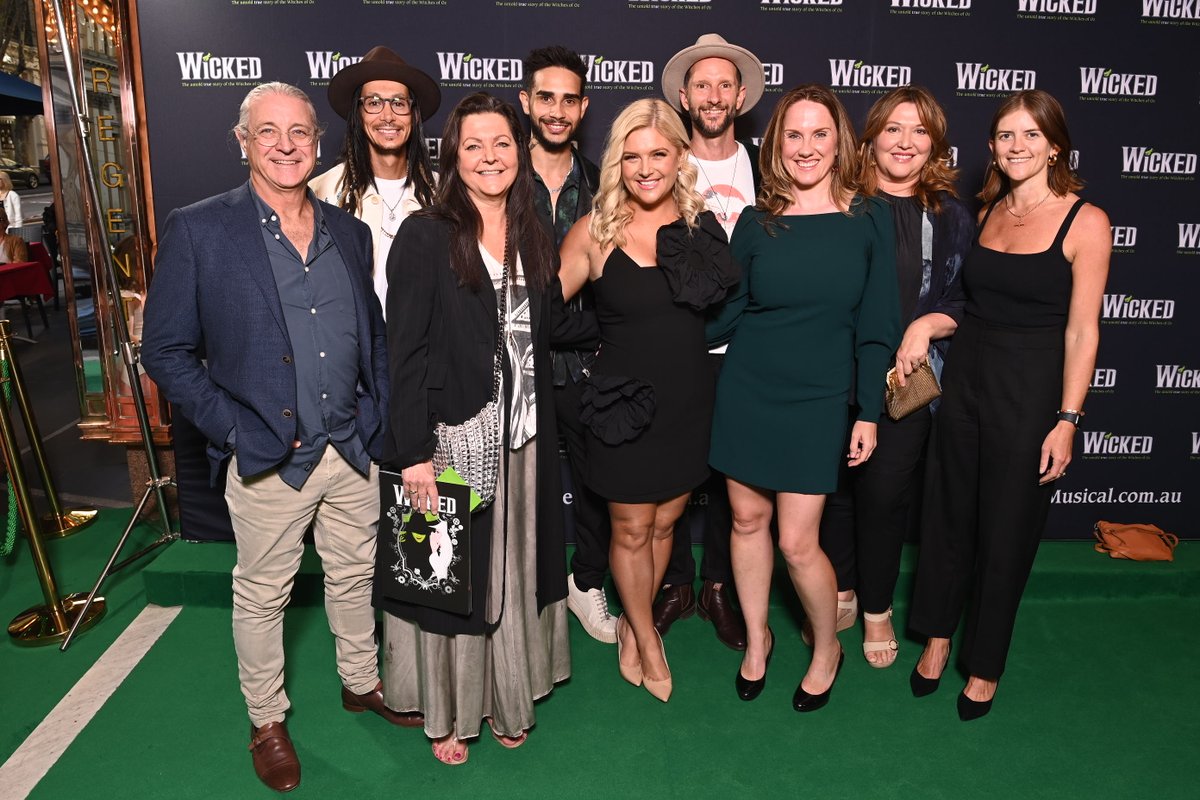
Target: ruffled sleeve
[(616, 408), (697, 263)]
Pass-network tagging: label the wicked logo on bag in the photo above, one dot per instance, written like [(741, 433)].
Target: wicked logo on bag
[(425, 558)]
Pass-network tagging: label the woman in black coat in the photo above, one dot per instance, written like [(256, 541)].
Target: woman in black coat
[(444, 274)]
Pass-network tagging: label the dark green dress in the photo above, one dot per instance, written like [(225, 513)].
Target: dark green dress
[(817, 313)]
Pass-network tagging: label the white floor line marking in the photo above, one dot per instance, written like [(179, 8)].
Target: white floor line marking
[(85, 500), (52, 434), (49, 740)]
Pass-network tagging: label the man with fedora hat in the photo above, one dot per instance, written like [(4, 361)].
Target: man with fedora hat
[(384, 171), (712, 82)]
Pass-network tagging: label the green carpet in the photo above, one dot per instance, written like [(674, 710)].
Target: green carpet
[(1098, 702), (38, 677), (197, 573)]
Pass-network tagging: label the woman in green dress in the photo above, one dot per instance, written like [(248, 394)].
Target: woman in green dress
[(817, 313)]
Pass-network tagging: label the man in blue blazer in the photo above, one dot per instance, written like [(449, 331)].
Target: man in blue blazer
[(262, 328)]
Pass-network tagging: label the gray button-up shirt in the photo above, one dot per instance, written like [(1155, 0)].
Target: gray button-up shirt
[(322, 324)]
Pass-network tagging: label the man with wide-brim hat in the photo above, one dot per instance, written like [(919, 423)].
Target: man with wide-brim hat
[(712, 82), (384, 171)]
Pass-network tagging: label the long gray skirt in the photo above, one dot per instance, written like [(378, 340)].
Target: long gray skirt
[(456, 681)]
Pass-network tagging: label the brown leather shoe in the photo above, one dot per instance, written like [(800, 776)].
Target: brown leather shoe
[(675, 602), (274, 757), (716, 605), (373, 701)]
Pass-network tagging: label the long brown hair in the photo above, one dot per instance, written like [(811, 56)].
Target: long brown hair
[(466, 226), (357, 177), (937, 175), (776, 193), (1052, 122)]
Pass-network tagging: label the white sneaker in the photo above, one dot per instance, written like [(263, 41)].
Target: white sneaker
[(591, 608)]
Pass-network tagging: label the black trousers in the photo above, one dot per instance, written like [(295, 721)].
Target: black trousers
[(984, 512), (710, 501), (593, 531), (867, 520)]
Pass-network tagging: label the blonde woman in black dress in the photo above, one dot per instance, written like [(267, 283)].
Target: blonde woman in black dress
[(655, 258)]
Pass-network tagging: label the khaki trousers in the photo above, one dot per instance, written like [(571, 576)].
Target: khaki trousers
[(269, 521)]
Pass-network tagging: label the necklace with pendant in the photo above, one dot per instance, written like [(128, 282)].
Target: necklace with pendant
[(392, 210), (1021, 217), (722, 211)]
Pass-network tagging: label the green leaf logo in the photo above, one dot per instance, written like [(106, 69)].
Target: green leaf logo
[(1128, 298), (1149, 150), (206, 57), (858, 64), (337, 56), (468, 57), (1108, 72), (985, 67), (1182, 369), (1108, 435), (599, 59)]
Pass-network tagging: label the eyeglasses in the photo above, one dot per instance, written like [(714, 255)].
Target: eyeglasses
[(269, 137), (374, 104)]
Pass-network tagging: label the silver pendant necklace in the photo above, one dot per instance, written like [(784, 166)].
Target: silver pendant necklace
[(392, 209), (722, 212)]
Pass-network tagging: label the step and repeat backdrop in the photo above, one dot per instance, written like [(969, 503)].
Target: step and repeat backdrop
[(1119, 67)]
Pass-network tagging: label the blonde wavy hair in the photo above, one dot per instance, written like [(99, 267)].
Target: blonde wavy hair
[(611, 211)]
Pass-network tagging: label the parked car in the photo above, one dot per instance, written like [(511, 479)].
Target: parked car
[(20, 174)]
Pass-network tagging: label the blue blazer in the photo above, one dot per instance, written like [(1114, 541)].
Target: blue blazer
[(215, 341)]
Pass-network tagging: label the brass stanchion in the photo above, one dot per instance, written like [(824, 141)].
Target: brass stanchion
[(51, 622), (157, 485), (56, 522)]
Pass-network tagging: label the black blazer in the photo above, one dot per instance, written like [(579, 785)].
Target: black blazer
[(441, 343)]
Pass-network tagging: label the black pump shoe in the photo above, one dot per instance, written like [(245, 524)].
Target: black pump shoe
[(969, 709), (803, 701), (748, 689), (922, 686)]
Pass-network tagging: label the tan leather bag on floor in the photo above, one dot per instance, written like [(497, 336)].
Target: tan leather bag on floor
[(1135, 542)]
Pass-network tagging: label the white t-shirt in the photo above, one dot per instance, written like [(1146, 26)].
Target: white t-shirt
[(393, 193), (727, 187)]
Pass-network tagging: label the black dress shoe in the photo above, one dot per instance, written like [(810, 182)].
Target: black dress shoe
[(969, 709), (803, 701), (716, 605), (922, 686), (675, 602), (373, 701), (748, 689)]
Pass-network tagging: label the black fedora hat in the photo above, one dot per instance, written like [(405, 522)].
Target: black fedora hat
[(382, 64)]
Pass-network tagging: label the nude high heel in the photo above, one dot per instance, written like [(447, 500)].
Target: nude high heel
[(660, 689), (631, 673)]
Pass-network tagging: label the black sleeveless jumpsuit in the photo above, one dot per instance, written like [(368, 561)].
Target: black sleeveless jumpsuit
[(984, 511)]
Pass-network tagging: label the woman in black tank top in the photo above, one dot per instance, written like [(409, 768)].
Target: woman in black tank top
[(1013, 390)]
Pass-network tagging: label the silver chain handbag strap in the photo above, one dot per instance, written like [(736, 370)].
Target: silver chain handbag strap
[(501, 324)]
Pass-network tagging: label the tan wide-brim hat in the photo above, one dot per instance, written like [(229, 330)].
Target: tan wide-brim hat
[(382, 64), (712, 45)]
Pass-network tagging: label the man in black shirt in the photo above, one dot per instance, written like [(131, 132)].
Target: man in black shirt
[(564, 184)]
